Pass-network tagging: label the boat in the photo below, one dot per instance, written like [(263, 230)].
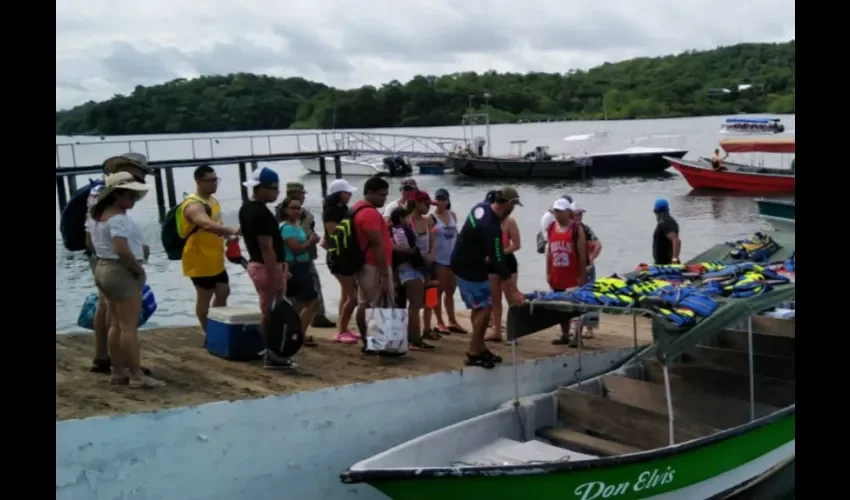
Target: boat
[(537, 164), (780, 214), (634, 159), (390, 166), (709, 412), (754, 178), (752, 126)]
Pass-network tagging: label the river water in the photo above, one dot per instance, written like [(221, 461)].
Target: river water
[(618, 210)]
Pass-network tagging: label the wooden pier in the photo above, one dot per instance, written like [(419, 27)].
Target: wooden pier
[(165, 168)]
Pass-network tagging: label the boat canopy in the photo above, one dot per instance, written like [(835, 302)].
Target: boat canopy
[(752, 120), (758, 145), (584, 137)]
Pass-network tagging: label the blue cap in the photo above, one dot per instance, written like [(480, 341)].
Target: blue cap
[(442, 192), (262, 177), (661, 205)]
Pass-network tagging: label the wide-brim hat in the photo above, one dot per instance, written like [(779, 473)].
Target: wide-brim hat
[(138, 160), (122, 180)]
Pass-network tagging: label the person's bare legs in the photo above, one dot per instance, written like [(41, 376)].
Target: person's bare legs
[(203, 297), (449, 287), (347, 302), (101, 329), (427, 313), (128, 318), (119, 367), (306, 313), (222, 292), (496, 311), (415, 291), (480, 318)]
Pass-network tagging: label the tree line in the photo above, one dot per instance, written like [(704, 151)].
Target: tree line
[(743, 78)]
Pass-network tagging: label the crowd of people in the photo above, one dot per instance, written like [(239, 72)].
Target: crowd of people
[(410, 246)]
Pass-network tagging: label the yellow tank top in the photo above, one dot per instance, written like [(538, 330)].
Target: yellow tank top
[(203, 254)]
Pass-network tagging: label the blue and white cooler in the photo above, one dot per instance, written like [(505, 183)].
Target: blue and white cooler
[(234, 333)]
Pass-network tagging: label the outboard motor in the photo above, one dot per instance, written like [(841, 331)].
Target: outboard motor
[(389, 164), (402, 166), (780, 128), (479, 145)]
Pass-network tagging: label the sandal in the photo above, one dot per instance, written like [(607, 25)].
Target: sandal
[(309, 341), (146, 383), (432, 334), (420, 346), (481, 360), (455, 328), (347, 338), (495, 357), (493, 339), (443, 330), (105, 366)]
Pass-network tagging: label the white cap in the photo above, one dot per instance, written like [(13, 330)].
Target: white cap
[(578, 208), (341, 186), (561, 204)]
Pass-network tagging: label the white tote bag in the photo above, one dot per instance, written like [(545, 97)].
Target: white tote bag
[(386, 329)]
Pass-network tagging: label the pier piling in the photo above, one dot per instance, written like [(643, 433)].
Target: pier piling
[(243, 177), (323, 173), (160, 199), (169, 187), (337, 167), (61, 193)]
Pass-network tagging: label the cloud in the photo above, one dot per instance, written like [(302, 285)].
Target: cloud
[(107, 47)]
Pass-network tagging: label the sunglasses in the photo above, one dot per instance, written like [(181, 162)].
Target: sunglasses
[(441, 198)]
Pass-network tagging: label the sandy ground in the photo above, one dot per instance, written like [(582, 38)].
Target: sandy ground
[(195, 377)]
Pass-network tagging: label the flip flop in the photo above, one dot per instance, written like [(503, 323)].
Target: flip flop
[(347, 338), (455, 328), (493, 339), (146, 383)]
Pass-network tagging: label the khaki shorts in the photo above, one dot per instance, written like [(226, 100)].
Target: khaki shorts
[(114, 280), (369, 289)]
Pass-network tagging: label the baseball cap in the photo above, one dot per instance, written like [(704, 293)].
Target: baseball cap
[(562, 205), (567, 197), (409, 183), (341, 186), (509, 194), (441, 193), (423, 196), (295, 186), (262, 177), (577, 208), (661, 205)]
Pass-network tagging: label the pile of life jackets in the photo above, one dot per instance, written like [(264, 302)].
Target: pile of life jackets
[(758, 248), (740, 281)]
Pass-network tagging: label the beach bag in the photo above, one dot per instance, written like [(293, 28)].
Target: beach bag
[(345, 257), (386, 329), (172, 241), (86, 318), (285, 335), (72, 223)]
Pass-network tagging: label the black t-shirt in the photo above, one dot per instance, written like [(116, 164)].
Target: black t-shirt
[(334, 212), (662, 247), (480, 236), (255, 219)]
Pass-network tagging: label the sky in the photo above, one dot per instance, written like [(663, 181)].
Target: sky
[(107, 47)]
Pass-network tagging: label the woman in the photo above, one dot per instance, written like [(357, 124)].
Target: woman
[(444, 223), (334, 210), (413, 243), (511, 244), (300, 287), (119, 275)]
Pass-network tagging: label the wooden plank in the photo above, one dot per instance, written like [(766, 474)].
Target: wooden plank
[(579, 441), (625, 424), (770, 345), (770, 391), (695, 405), (775, 326), (739, 362)]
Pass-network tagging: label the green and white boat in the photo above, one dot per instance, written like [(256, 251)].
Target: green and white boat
[(780, 214), (705, 413)]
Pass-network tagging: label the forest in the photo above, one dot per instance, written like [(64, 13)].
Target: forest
[(743, 78)]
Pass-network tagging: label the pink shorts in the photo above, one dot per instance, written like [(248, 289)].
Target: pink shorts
[(268, 294)]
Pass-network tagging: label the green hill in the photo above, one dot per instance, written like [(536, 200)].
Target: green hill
[(744, 78)]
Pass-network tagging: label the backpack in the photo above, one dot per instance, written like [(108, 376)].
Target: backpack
[(345, 257), (285, 335), (72, 223), (171, 239)]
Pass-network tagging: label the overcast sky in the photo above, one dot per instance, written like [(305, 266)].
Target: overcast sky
[(104, 47)]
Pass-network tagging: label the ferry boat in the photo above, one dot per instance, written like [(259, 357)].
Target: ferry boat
[(752, 126)]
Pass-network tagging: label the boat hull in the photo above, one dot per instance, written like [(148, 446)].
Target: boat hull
[(700, 175), (350, 168), (781, 224), (777, 208), (625, 164), (508, 168), (715, 470)]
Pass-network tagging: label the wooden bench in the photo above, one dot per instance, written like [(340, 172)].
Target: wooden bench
[(579, 441)]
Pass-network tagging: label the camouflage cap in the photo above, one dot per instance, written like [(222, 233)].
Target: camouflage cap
[(509, 194), (295, 186)]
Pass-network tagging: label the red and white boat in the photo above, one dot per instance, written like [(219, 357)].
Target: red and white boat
[(754, 178)]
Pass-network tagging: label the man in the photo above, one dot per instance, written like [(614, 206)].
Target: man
[(203, 253), (481, 235), (296, 191), (666, 244), (408, 188), (137, 165), (717, 160), (547, 220), (566, 257), (373, 236), (266, 266)]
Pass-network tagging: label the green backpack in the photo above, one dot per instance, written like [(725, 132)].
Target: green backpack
[(171, 239), (345, 257)]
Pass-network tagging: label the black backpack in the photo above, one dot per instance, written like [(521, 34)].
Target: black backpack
[(72, 223), (285, 335), (171, 239), (345, 257)]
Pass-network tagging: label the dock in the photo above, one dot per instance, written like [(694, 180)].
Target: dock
[(197, 377), (165, 154)]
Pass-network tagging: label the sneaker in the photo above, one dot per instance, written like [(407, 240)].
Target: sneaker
[(272, 362)]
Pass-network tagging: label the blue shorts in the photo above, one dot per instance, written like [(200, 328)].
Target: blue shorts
[(475, 294), (408, 273)]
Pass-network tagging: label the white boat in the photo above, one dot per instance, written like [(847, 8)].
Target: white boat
[(351, 167), (752, 126)]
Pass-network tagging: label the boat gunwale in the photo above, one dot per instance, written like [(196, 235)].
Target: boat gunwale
[(350, 476), (679, 162)]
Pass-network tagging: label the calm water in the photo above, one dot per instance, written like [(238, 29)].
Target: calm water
[(619, 210)]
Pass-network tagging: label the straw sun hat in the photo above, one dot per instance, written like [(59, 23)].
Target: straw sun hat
[(122, 180)]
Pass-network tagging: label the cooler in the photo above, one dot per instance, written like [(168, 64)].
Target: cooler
[(234, 333)]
